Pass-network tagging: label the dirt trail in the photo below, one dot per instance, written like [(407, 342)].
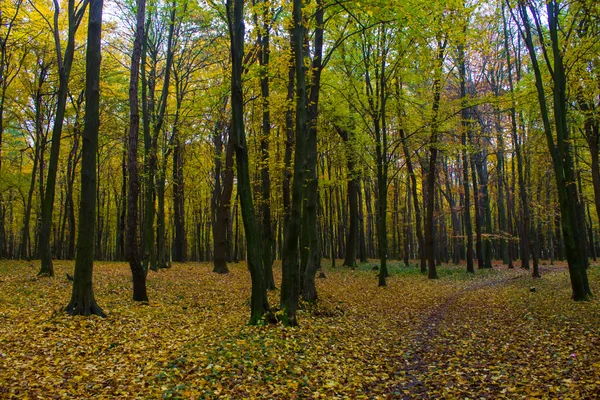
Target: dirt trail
[(414, 366)]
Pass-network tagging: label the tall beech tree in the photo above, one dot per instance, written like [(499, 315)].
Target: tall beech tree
[(441, 42), (559, 148), (290, 282), (82, 298), (264, 49), (75, 13), (311, 255), (138, 271), (221, 198), (259, 303)]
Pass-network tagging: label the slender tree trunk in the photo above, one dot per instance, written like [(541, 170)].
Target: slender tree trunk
[(222, 200), (454, 215), (82, 298), (64, 70), (524, 236), (138, 271), (259, 302), (431, 173), (352, 239), (25, 252), (562, 158), (362, 248), (122, 207), (161, 251), (408, 242), (180, 245), (309, 290), (290, 269), (502, 224), (266, 223), (415, 199), (485, 211)]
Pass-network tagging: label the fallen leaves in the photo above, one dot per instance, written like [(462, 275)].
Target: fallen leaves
[(458, 337)]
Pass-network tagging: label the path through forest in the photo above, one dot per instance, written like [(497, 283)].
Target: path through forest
[(432, 355)]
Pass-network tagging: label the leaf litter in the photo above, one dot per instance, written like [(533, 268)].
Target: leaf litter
[(462, 336)]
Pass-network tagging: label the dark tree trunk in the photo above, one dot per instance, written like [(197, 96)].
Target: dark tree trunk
[(25, 251), (82, 298), (266, 223), (259, 302), (477, 202), (415, 199), (122, 207), (137, 269), (561, 152), (408, 242), (180, 242), (456, 250), (352, 240), (369, 203), (161, 251), (484, 201), (431, 172), (309, 290), (289, 140), (222, 199), (362, 248), (524, 234), (64, 71), (151, 251), (290, 268)]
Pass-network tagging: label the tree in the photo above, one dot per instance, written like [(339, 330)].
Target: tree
[(138, 271), (290, 269), (560, 151), (64, 63), (259, 303), (82, 298)]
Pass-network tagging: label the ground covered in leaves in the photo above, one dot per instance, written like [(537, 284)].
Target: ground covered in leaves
[(461, 336)]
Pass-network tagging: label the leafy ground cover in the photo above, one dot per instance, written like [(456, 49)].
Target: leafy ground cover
[(487, 336)]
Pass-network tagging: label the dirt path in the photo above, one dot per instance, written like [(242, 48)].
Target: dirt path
[(414, 366)]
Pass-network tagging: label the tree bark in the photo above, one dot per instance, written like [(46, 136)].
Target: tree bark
[(352, 239), (259, 302), (64, 70), (222, 199), (266, 223), (562, 158), (290, 268), (138, 271), (82, 298), (431, 172)]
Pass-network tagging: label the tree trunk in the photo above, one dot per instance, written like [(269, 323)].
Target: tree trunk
[(415, 199), (352, 240), (222, 199), (524, 234), (64, 71), (82, 298), (561, 152), (259, 302), (138, 271), (122, 207), (431, 172), (290, 269), (266, 223), (180, 245)]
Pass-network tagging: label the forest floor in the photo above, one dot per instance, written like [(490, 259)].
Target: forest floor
[(461, 336)]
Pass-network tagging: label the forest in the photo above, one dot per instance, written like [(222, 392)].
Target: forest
[(299, 199)]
